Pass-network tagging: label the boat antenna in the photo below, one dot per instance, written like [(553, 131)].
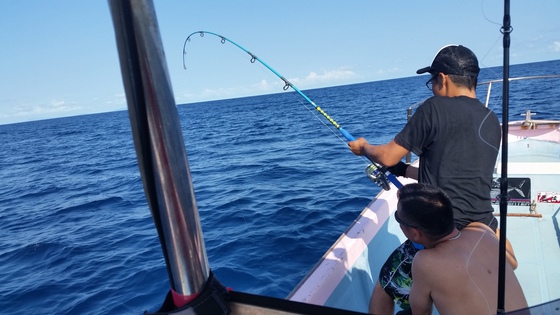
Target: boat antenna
[(506, 30), (380, 175)]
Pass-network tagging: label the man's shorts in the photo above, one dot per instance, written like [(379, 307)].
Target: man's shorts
[(396, 274)]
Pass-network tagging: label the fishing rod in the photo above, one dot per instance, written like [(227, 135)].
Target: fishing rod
[(506, 30), (377, 173)]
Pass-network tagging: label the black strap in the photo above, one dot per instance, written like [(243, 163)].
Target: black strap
[(215, 298), (287, 305)]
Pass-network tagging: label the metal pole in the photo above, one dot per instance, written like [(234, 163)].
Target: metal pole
[(160, 146)]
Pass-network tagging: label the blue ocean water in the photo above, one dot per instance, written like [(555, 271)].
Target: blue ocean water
[(275, 188)]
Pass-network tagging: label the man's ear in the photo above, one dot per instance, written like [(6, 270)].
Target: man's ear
[(417, 235)]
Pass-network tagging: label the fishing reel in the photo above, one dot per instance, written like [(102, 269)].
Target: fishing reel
[(378, 176)]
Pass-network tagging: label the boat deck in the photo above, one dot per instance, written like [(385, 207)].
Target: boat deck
[(533, 229), (532, 239)]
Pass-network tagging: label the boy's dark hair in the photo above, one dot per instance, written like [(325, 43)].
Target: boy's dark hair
[(427, 207), (466, 81)]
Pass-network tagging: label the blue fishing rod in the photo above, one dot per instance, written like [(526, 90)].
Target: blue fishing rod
[(378, 174)]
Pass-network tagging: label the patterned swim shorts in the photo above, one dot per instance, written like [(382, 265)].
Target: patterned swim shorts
[(396, 274)]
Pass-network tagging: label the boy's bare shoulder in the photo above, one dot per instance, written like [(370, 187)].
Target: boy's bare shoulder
[(478, 226)]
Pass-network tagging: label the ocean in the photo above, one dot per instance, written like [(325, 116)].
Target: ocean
[(275, 185)]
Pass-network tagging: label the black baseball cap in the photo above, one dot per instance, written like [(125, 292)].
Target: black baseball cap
[(453, 59)]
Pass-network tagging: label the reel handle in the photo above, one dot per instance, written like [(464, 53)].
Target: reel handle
[(378, 174), (381, 176)]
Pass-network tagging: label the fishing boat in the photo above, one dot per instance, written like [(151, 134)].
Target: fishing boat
[(345, 276), (342, 281)]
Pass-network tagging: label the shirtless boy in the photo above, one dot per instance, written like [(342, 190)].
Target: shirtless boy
[(458, 270)]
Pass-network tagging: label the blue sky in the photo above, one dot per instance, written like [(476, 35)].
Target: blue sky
[(59, 58)]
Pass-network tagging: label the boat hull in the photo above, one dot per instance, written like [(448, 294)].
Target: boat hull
[(345, 276)]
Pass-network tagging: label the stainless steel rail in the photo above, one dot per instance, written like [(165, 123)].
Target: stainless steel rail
[(160, 145)]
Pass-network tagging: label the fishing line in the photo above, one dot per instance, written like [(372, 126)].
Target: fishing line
[(375, 172), (481, 136), (485, 16), (322, 121)]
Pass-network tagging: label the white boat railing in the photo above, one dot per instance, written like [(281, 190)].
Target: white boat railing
[(491, 82)]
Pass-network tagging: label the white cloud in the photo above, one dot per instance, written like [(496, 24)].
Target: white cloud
[(388, 71), (59, 105), (221, 93), (265, 86), (54, 108), (535, 41), (555, 46), (313, 79), (330, 76), (261, 87), (118, 101), (326, 78)]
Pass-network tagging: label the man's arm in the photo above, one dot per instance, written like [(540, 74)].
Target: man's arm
[(387, 154), (420, 297)]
